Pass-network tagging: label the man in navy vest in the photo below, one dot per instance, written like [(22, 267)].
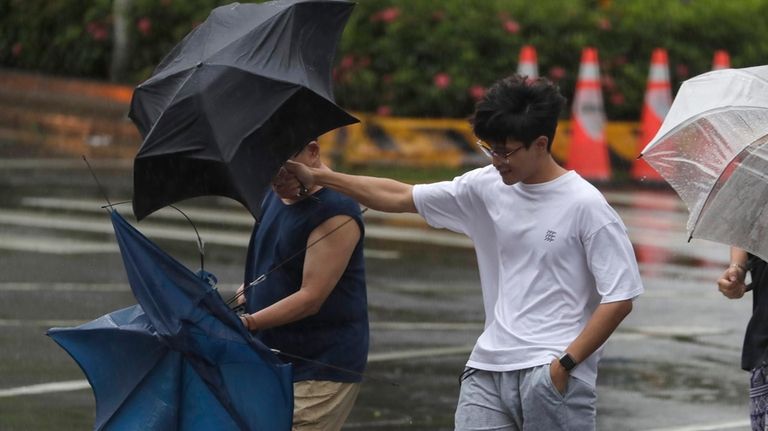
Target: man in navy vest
[(314, 305)]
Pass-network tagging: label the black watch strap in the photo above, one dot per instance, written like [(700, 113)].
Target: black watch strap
[(567, 361)]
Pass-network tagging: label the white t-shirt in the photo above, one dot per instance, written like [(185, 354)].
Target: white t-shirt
[(548, 254)]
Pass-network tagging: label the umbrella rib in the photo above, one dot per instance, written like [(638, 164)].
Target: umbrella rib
[(170, 102), (715, 183)]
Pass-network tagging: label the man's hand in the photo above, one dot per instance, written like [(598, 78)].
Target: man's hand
[(286, 185), (244, 321), (301, 172), (240, 295), (731, 283), (559, 376)]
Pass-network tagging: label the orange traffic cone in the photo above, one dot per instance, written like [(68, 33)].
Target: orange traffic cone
[(588, 153), (721, 60), (528, 64), (658, 100)]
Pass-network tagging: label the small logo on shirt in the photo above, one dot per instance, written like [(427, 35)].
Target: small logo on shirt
[(550, 236)]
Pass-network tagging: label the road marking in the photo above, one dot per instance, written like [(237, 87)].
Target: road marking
[(46, 388), (707, 427), (65, 287), (70, 163), (65, 246), (76, 385), (223, 216), (427, 326), (41, 323), (70, 246), (419, 353)]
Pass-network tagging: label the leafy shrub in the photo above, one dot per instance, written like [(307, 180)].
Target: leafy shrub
[(419, 58)]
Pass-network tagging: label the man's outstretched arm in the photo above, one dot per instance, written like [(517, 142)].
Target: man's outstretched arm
[(382, 194)]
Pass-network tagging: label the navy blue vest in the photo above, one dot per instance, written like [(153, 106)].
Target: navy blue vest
[(338, 334)]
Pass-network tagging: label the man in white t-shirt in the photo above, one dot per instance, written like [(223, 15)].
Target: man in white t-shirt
[(557, 269)]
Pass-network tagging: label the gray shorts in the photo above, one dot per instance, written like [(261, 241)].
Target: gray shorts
[(524, 400)]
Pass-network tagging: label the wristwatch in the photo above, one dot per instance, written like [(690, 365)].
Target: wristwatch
[(567, 361)]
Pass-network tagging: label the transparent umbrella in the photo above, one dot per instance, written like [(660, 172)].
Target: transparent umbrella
[(711, 148)]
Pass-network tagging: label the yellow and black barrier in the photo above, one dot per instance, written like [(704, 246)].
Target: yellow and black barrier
[(380, 140), (443, 142)]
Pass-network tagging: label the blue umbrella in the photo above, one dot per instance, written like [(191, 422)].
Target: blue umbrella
[(181, 359)]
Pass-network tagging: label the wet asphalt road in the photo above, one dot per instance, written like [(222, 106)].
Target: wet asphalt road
[(672, 366)]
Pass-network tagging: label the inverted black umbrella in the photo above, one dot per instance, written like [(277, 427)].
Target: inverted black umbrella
[(237, 97)]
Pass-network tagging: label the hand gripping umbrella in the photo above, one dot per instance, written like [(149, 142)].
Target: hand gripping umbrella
[(242, 93), (181, 359), (711, 148)]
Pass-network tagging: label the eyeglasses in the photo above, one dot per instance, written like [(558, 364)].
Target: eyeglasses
[(491, 153)]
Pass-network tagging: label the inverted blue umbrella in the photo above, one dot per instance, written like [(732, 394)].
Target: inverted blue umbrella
[(181, 359)]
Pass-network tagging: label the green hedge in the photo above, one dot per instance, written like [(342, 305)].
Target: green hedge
[(421, 57)]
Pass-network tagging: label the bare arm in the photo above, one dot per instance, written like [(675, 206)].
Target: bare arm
[(324, 265), (381, 194), (600, 326), (731, 283)]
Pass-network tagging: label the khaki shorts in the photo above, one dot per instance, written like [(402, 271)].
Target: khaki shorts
[(322, 405)]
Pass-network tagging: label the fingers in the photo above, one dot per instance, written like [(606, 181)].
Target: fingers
[(285, 184), (735, 274), (301, 171), (240, 295), (731, 289)]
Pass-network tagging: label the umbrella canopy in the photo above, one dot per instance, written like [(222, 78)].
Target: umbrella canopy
[(181, 359), (242, 93), (711, 148)]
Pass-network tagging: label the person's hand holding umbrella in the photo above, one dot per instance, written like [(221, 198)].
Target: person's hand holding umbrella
[(731, 284)]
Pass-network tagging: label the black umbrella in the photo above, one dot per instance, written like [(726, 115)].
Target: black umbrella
[(238, 96)]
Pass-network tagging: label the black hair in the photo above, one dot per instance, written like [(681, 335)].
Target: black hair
[(518, 108)]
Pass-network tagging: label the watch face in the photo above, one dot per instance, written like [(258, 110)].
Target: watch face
[(567, 362)]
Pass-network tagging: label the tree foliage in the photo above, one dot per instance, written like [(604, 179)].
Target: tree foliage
[(425, 57)]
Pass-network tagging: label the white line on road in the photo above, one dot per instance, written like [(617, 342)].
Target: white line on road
[(419, 353), (54, 246), (50, 323), (427, 326), (46, 388), (44, 221), (722, 426), (66, 287), (75, 385)]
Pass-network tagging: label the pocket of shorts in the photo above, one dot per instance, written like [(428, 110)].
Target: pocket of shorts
[(551, 385)]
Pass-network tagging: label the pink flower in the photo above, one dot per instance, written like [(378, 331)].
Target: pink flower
[(387, 15), (477, 92), (16, 49), (511, 26), (617, 99), (604, 24), (347, 61), (384, 110), (608, 82), (144, 25), (557, 73), (682, 70), (442, 80), (98, 31)]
